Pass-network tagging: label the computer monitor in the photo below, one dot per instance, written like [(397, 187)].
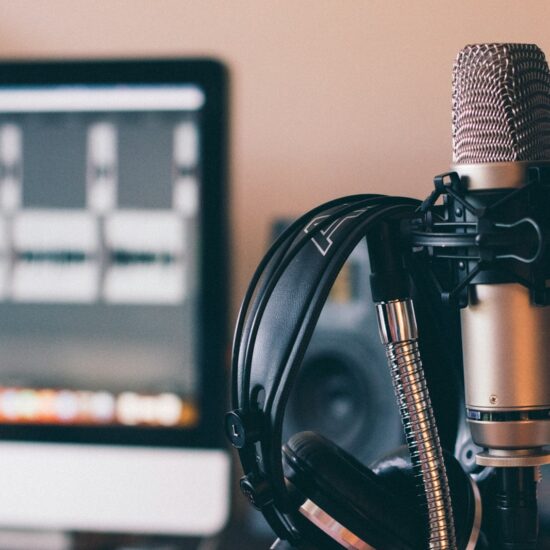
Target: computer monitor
[(113, 290)]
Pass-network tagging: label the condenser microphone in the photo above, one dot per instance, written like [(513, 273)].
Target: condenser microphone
[(488, 248), (501, 152)]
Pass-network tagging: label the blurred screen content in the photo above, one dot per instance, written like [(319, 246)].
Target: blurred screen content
[(99, 255)]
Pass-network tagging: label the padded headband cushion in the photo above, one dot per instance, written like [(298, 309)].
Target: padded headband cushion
[(351, 493)]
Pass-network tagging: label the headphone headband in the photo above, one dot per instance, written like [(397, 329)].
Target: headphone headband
[(276, 323)]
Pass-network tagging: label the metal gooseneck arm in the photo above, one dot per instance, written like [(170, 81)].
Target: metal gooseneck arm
[(399, 334)]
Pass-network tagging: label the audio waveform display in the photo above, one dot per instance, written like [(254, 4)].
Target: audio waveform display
[(73, 256)]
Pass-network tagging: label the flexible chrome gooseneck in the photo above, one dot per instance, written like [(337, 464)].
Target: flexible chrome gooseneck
[(399, 334)]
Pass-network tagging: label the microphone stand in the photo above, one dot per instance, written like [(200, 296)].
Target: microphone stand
[(513, 511)]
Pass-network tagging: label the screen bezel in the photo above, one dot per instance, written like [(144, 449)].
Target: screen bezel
[(211, 77)]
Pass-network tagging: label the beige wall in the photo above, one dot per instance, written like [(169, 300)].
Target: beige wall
[(330, 97)]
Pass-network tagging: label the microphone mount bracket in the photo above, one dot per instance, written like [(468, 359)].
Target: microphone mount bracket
[(484, 236)]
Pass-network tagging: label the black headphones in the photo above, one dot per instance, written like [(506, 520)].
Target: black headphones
[(313, 494)]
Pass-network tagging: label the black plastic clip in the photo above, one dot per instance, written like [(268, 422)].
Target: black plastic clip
[(447, 183)]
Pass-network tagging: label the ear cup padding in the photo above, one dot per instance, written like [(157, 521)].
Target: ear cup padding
[(351, 493)]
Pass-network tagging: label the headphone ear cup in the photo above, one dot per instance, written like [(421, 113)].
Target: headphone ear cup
[(343, 497)]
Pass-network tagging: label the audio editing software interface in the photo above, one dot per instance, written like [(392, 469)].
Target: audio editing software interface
[(99, 230)]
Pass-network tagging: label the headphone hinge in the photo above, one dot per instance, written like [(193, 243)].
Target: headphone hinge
[(243, 428)]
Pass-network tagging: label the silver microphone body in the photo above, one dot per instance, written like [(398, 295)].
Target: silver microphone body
[(501, 135), (506, 351)]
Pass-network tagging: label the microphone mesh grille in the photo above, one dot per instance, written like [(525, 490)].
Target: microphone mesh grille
[(501, 104)]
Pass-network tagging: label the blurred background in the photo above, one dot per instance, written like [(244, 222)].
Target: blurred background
[(326, 98)]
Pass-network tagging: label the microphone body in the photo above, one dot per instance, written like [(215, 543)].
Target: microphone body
[(501, 150), (505, 334)]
